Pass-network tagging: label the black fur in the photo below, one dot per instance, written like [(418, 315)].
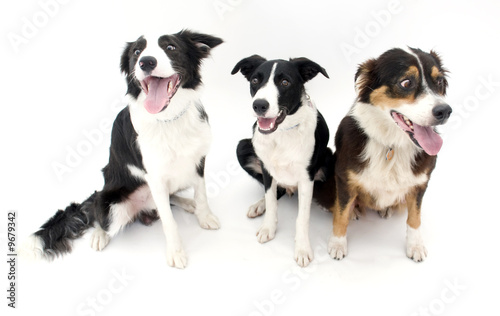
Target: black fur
[(58, 232)]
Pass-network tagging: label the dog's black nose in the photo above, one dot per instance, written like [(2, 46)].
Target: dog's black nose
[(148, 63), (260, 106), (442, 112)]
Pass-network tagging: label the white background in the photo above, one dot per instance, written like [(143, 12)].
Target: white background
[(63, 81)]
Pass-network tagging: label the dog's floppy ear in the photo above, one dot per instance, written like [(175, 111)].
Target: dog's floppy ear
[(364, 79), (125, 59), (203, 42), (248, 65), (308, 69)]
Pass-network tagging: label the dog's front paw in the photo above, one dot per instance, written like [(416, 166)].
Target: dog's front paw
[(257, 209), (100, 239), (417, 252), (303, 255), (337, 247), (415, 248), (266, 233), (176, 258), (209, 221)]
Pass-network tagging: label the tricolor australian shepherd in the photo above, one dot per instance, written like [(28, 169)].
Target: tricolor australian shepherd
[(158, 147), (288, 151), (386, 146)]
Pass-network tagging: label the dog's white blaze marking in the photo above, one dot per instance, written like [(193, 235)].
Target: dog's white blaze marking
[(270, 93), (164, 64)]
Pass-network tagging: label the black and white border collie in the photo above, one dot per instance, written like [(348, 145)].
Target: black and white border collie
[(386, 146), (158, 147), (289, 145)]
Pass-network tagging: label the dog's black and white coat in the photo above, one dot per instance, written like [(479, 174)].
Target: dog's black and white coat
[(289, 144), (158, 147)]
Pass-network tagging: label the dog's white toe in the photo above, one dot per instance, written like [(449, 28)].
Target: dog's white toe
[(303, 256), (176, 258), (416, 252), (257, 209), (266, 233), (415, 248), (337, 247), (208, 221), (100, 239), (386, 214)]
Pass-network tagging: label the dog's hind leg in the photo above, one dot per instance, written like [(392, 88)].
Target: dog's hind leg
[(202, 211), (253, 166), (113, 217), (189, 205)]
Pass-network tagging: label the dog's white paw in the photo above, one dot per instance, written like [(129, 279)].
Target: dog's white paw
[(337, 247), (416, 252), (415, 248), (176, 258), (257, 209), (266, 233), (208, 221), (100, 239), (386, 214), (303, 255)]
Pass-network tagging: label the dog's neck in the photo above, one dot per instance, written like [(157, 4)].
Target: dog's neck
[(381, 129)]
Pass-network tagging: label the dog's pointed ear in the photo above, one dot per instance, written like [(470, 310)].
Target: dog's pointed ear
[(203, 42), (248, 65), (308, 69), (125, 59)]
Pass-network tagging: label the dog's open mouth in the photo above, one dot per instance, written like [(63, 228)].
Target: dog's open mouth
[(424, 137), (269, 125), (159, 92)]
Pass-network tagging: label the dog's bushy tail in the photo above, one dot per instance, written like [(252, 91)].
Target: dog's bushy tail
[(325, 192), (55, 236)]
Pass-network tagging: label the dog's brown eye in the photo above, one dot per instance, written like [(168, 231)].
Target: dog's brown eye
[(137, 52), (170, 47), (285, 83), (440, 81), (406, 84), (255, 81)]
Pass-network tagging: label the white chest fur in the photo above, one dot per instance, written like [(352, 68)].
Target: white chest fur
[(388, 181), (171, 149), (287, 152)]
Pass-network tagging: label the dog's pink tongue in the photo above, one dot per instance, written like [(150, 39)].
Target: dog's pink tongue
[(428, 139), (157, 96), (266, 123)]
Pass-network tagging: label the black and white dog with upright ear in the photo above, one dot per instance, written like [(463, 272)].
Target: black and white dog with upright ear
[(158, 147), (288, 151)]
